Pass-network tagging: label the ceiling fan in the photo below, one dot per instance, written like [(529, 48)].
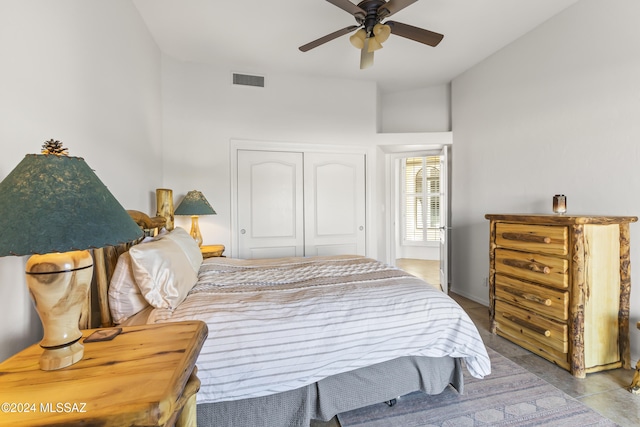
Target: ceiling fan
[(371, 31)]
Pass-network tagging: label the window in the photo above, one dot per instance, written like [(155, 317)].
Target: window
[(421, 196)]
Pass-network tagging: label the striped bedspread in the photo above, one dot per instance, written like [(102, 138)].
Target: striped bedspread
[(280, 324)]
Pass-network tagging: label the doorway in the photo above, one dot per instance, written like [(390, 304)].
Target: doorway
[(419, 211), (418, 218)]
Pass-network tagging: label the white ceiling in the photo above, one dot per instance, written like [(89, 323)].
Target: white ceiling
[(263, 36)]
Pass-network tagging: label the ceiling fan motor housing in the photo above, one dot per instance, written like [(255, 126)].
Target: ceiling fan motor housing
[(374, 14)]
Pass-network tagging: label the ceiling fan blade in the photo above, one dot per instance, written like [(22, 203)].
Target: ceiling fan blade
[(366, 57), (349, 7), (414, 33), (393, 6), (327, 38)]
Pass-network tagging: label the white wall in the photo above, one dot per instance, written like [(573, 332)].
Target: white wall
[(420, 110), (203, 112), (431, 252), (554, 112), (87, 74)]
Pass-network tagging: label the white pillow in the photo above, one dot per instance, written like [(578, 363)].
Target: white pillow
[(163, 272), (125, 298), (188, 245)]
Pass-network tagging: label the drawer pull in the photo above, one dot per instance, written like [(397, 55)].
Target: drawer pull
[(529, 297), (524, 237), (528, 325), (535, 267)]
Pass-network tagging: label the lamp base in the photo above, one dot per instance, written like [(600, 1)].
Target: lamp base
[(57, 358), (195, 230), (59, 284)]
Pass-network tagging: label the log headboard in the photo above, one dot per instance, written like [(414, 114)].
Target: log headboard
[(97, 312)]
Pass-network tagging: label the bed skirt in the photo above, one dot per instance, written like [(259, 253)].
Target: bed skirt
[(339, 393)]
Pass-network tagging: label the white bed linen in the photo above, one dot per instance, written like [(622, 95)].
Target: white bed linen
[(280, 324)]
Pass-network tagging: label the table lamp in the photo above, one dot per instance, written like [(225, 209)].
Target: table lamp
[(194, 204), (53, 207)]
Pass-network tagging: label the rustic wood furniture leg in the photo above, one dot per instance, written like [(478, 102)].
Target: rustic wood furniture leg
[(187, 416), (635, 383)]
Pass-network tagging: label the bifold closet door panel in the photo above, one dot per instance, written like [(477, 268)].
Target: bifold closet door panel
[(334, 201), (270, 204)]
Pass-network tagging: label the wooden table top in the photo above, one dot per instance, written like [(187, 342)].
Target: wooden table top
[(562, 219), (134, 379), (211, 250)]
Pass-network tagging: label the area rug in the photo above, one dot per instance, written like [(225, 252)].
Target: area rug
[(510, 396)]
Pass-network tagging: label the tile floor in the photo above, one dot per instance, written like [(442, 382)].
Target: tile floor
[(605, 392)]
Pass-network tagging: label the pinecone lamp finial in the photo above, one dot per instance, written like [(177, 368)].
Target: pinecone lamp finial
[(54, 147)]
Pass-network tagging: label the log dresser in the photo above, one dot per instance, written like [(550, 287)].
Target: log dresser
[(559, 286), (145, 376)]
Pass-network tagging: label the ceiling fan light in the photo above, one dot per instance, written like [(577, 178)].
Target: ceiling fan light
[(381, 32), (357, 42), (374, 44), (357, 39)]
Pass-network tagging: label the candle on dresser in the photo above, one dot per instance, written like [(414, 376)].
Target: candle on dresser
[(559, 203)]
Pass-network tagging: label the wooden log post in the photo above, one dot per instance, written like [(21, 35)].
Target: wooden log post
[(625, 295), (100, 276), (164, 201), (492, 281), (576, 308)]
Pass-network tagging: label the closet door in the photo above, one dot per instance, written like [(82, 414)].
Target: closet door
[(270, 204), (334, 204)]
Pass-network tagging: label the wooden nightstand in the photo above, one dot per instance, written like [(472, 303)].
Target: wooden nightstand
[(209, 251), (144, 376)]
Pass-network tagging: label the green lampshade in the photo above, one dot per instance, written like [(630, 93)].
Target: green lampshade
[(56, 203), (194, 203)]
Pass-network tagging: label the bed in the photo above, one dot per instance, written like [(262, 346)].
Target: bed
[(293, 339)]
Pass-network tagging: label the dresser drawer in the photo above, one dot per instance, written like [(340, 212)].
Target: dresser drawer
[(546, 270), (545, 301), (532, 331), (547, 239)]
